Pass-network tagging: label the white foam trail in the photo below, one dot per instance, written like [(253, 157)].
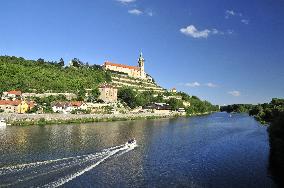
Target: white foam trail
[(31, 171), (66, 179), (16, 168), (127, 150), (29, 175)]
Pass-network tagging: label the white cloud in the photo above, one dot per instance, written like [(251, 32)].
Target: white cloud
[(245, 21), (232, 13), (235, 93), (193, 32), (193, 84), (211, 85), (229, 13), (135, 12), (126, 1)]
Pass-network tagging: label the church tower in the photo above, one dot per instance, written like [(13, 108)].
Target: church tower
[(141, 62)]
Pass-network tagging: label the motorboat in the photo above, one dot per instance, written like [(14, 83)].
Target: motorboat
[(131, 143), (3, 123)]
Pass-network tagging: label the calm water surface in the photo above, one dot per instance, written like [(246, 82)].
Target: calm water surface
[(208, 151)]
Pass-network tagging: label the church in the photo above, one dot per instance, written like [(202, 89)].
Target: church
[(132, 71)]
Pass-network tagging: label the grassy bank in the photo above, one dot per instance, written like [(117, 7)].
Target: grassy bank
[(44, 121)]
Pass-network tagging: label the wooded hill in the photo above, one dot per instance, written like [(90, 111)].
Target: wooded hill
[(39, 75)]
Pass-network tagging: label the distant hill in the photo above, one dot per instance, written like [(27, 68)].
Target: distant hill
[(39, 75)]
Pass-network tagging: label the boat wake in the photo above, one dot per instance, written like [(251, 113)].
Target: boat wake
[(54, 173)]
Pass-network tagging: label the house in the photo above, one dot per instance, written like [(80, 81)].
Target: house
[(79, 105), (16, 106), (12, 95), (68, 107), (173, 90), (178, 97), (9, 106), (108, 93), (186, 104), (24, 106), (132, 71)]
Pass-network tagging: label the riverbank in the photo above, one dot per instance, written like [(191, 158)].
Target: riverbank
[(48, 119)]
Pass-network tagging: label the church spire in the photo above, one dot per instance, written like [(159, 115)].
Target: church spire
[(141, 60)]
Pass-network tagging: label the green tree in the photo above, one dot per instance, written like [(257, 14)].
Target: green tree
[(81, 94), (76, 62), (61, 62), (175, 104), (128, 96), (40, 61)]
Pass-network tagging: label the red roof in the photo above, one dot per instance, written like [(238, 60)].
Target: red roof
[(15, 103), (76, 103), (8, 102), (66, 104), (15, 92), (120, 65), (31, 104)]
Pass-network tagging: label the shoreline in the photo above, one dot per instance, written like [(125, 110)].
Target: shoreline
[(50, 119)]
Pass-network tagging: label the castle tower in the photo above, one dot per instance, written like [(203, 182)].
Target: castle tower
[(141, 62)]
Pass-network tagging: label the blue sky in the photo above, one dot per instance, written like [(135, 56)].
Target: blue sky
[(224, 51)]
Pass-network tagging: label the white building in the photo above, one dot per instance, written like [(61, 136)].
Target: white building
[(132, 71)]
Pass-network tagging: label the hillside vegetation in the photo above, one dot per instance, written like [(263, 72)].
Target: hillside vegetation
[(134, 99), (39, 76)]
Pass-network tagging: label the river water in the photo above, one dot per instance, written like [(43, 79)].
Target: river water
[(206, 151)]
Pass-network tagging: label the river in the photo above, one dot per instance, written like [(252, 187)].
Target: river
[(215, 150)]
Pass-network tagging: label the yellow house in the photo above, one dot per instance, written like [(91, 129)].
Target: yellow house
[(23, 107)]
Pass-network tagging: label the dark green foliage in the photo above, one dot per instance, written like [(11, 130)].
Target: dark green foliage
[(198, 106), (81, 94), (93, 95), (134, 99), (184, 96), (239, 108), (61, 62), (175, 104), (40, 76), (128, 96)]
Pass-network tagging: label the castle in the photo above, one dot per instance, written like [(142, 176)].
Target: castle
[(132, 71)]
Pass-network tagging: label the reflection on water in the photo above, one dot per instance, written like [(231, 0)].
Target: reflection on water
[(207, 151)]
